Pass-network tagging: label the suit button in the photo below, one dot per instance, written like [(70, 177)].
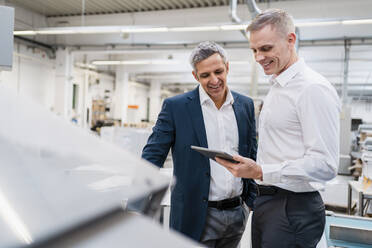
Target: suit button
[(205, 199), (207, 174)]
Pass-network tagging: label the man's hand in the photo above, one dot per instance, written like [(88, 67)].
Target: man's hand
[(246, 168)]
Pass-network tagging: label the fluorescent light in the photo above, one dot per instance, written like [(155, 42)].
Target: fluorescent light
[(57, 31), (112, 62), (80, 30), (136, 62), (24, 32), (85, 66), (144, 30), (98, 30), (165, 62), (356, 22), (149, 29), (313, 24), (191, 29), (326, 23), (233, 27)]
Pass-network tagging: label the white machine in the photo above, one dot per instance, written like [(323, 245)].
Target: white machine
[(61, 186), (6, 34)]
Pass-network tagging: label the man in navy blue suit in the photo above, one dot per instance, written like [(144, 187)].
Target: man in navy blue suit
[(207, 202)]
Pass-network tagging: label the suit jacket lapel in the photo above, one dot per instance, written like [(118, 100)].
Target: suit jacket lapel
[(242, 125), (196, 115)]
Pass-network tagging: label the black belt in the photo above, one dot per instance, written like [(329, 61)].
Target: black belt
[(270, 190), (226, 204)]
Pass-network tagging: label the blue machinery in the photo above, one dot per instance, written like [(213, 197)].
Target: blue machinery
[(348, 231)]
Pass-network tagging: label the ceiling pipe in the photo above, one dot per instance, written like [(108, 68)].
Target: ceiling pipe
[(253, 9), (50, 50), (234, 17), (232, 11)]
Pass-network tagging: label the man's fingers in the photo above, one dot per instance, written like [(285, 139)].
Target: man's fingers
[(224, 162), (238, 158)]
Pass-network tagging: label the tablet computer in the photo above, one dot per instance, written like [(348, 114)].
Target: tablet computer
[(212, 154)]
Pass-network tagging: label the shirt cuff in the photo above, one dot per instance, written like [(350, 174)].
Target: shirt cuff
[(272, 173)]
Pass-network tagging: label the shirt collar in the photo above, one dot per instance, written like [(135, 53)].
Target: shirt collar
[(289, 73), (204, 97)]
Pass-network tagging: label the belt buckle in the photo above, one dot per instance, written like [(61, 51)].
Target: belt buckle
[(219, 205)]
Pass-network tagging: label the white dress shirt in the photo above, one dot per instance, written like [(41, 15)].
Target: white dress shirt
[(222, 134), (298, 145)]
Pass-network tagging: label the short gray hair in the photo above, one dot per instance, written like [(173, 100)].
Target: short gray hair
[(204, 50), (277, 18)]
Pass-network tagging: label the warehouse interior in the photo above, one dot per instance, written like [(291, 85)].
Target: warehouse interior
[(99, 71)]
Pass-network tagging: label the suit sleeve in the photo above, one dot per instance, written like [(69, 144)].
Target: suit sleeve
[(250, 195), (253, 133), (162, 137)]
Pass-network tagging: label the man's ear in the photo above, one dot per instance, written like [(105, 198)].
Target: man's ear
[(195, 75), (292, 39), (227, 66)]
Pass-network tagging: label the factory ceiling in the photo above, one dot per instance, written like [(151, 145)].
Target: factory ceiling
[(57, 8)]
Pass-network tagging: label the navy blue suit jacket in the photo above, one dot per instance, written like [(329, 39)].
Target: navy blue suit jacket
[(180, 124)]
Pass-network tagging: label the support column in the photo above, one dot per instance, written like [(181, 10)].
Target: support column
[(345, 141), (155, 100), (85, 101), (346, 72), (63, 83), (345, 117), (121, 94)]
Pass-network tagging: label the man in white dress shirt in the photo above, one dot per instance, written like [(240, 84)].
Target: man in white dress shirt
[(298, 147)]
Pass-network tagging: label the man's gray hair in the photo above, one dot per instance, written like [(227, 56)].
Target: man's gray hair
[(277, 18), (204, 50)]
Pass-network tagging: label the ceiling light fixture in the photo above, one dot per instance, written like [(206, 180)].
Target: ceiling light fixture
[(154, 62), (315, 24), (234, 27), (25, 32), (149, 29), (194, 29), (144, 30), (136, 62), (357, 22), (104, 62), (124, 29)]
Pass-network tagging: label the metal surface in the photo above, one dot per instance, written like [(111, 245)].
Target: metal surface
[(364, 194), (351, 234), (348, 231), (56, 177), (120, 230)]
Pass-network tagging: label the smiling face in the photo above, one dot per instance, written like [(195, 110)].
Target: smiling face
[(211, 73), (275, 52)]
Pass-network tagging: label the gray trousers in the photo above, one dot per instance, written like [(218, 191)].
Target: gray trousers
[(224, 228), (292, 220)]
